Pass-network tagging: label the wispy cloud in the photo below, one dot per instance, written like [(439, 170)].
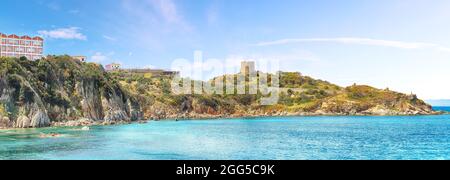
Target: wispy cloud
[(54, 6), (149, 67), (109, 38), (74, 11), (212, 13), (100, 57), (169, 12), (151, 24), (359, 41), (63, 33)]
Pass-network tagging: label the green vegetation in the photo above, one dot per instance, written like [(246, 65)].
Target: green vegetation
[(298, 94), (3, 111)]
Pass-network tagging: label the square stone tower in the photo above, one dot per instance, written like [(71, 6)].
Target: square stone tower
[(248, 67)]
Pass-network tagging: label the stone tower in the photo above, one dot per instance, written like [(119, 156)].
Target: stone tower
[(248, 67)]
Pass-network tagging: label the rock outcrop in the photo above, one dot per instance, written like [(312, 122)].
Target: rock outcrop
[(59, 89)]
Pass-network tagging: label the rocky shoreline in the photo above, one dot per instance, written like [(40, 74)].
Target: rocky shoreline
[(84, 122), (87, 122)]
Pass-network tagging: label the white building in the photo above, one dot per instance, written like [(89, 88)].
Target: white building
[(80, 58)]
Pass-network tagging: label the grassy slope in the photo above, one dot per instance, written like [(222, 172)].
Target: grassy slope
[(298, 94)]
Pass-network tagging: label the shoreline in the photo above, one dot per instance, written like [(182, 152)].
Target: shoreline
[(90, 123)]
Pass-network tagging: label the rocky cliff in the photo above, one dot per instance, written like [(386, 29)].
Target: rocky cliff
[(60, 89)]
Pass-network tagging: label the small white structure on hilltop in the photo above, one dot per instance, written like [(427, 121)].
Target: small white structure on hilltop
[(112, 67), (80, 58), (248, 67)]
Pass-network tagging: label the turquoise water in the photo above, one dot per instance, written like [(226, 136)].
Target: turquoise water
[(421, 137), (442, 108)]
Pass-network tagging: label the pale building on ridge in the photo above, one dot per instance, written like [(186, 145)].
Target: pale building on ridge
[(112, 67), (80, 58)]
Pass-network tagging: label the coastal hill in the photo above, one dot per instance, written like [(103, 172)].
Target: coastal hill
[(299, 95), (62, 91)]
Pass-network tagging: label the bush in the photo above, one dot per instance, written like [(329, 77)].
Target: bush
[(23, 58), (3, 111)]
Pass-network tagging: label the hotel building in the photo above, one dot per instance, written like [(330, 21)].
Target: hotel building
[(21, 46)]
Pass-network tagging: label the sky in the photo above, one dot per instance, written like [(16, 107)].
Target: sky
[(396, 44)]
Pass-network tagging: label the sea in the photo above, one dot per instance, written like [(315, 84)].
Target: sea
[(442, 108), (271, 138)]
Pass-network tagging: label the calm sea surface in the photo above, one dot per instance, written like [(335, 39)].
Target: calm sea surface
[(420, 137), (442, 108)]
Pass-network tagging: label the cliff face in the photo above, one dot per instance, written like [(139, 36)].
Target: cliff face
[(59, 89), (29, 106)]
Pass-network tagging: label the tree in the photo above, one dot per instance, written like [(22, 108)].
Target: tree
[(23, 58)]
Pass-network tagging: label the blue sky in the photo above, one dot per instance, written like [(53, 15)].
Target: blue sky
[(403, 45)]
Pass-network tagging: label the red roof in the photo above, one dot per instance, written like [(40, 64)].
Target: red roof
[(22, 37), (38, 38), (13, 36), (25, 37)]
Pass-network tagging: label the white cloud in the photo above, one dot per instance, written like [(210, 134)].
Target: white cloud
[(149, 67), (169, 13), (168, 10), (360, 41), (151, 24), (63, 33), (54, 6), (100, 57), (109, 38)]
